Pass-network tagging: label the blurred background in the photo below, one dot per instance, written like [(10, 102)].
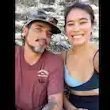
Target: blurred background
[(55, 8)]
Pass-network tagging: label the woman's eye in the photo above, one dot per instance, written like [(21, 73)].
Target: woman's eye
[(70, 24), (83, 22)]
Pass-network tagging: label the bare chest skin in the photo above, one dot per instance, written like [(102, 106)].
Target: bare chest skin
[(80, 67)]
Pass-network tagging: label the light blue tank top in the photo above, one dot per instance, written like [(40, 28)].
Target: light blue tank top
[(92, 83), (70, 80)]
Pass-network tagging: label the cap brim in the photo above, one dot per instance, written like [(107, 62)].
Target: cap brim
[(55, 29)]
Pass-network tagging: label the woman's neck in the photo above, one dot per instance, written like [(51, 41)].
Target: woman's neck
[(80, 49)]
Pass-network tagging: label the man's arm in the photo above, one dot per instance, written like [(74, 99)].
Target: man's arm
[(55, 102)]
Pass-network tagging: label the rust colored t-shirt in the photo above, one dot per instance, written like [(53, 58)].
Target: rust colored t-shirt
[(31, 88)]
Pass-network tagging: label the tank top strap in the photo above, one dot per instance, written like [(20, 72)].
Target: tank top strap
[(65, 57), (94, 58)]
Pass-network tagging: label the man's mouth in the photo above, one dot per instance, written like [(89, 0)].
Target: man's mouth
[(41, 41)]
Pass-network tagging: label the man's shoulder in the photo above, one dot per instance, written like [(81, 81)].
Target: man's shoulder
[(17, 47), (52, 56), (17, 50)]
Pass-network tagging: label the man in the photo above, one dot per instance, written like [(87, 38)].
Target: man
[(39, 73)]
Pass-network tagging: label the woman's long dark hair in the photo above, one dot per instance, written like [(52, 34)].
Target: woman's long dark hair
[(80, 5)]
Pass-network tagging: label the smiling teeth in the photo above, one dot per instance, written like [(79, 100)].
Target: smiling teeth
[(77, 36)]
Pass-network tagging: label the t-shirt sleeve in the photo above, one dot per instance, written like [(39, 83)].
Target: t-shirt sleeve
[(56, 78)]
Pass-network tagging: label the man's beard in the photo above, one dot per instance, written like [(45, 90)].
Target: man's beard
[(36, 49)]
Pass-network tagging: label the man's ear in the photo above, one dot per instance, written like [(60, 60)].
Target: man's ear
[(24, 31)]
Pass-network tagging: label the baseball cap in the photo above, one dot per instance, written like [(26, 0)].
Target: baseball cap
[(40, 15)]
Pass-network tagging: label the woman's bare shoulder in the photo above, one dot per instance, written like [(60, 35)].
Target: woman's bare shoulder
[(95, 56), (94, 47)]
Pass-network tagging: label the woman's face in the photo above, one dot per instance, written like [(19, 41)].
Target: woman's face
[(78, 27)]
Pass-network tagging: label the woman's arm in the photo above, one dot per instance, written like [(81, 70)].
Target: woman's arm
[(68, 105)]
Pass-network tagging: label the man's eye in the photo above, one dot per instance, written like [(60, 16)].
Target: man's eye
[(50, 34), (38, 29)]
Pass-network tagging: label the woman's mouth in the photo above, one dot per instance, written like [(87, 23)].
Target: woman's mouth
[(77, 36)]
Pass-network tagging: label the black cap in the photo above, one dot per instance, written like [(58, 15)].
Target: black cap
[(40, 15)]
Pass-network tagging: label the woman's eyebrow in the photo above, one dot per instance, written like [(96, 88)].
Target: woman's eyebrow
[(78, 20)]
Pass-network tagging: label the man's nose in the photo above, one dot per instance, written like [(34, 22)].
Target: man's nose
[(44, 34)]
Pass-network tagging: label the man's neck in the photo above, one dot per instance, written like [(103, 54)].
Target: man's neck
[(30, 56)]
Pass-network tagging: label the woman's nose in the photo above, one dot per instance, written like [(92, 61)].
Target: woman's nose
[(76, 27)]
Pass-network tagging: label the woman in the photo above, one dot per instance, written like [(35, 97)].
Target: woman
[(82, 60)]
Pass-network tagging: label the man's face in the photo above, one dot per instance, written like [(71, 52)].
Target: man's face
[(38, 36)]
